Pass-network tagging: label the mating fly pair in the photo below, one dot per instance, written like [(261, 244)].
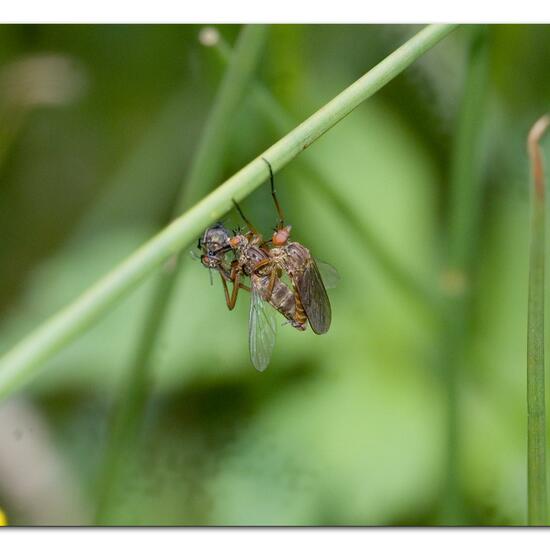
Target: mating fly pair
[(247, 255)]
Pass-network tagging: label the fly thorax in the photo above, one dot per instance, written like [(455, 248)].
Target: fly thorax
[(238, 243), (277, 253), (297, 258)]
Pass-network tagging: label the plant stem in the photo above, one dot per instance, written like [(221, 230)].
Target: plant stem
[(537, 507), (280, 120), (204, 171), (465, 195), (23, 360)]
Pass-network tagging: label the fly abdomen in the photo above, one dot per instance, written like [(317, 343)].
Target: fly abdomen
[(285, 301), (300, 314)]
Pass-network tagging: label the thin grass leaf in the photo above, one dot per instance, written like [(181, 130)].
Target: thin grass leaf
[(466, 194), (537, 505)]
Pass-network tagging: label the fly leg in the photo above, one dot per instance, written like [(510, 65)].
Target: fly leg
[(234, 277), (251, 228), (281, 223), (301, 317), (229, 300), (272, 277), (232, 300), (261, 264)]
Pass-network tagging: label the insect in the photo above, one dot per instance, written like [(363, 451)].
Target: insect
[(251, 253), (264, 262), (303, 270), (268, 295)]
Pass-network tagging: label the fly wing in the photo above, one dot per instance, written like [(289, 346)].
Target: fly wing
[(314, 298), (262, 330), (329, 274)]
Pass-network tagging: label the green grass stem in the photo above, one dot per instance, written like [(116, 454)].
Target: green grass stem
[(466, 194), (25, 358), (537, 505)]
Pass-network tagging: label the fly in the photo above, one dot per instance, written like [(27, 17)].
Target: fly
[(303, 270), (247, 255)]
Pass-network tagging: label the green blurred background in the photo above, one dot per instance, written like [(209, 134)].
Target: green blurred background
[(98, 127)]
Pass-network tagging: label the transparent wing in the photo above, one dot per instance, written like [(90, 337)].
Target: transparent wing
[(329, 274), (314, 298), (262, 330)]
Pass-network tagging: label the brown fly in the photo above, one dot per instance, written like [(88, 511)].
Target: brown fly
[(250, 254), (303, 270), (264, 262)]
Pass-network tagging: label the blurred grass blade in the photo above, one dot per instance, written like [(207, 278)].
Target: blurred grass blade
[(23, 361), (281, 121), (204, 171), (466, 194), (537, 507)]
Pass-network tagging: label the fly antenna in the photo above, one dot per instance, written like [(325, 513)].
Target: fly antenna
[(281, 223)]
